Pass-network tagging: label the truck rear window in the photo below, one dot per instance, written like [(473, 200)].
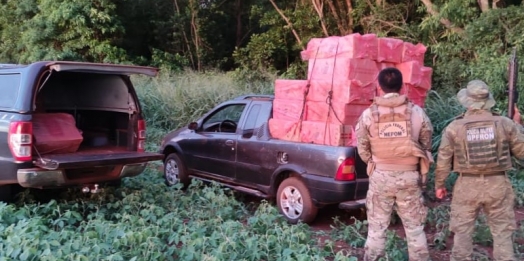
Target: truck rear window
[(9, 87)]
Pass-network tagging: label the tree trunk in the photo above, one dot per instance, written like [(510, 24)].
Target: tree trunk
[(484, 5), (319, 6), (497, 3), (350, 16), (195, 33), (288, 22), (339, 22), (239, 23), (447, 23), (186, 39)]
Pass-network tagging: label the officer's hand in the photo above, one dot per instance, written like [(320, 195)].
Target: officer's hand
[(516, 115), (441, 193)]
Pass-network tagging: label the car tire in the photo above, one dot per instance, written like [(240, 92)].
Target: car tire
[(175, 171), (294, 201)]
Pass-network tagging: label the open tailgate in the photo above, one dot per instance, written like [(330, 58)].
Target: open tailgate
[(102, 68), (80, 160)]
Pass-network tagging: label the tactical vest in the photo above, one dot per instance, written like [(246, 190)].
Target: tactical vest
[(481, 145), (391, 136)]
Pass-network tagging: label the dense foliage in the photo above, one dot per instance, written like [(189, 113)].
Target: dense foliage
[(146, 220), (236, 47), (258, 39)]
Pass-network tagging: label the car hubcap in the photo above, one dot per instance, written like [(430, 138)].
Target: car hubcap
[(291, 202), (172, 172)]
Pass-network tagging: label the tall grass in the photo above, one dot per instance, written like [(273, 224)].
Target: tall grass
[(173, 100)]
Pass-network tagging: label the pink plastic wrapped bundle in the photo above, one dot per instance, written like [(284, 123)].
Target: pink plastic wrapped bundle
[(343, 91), (290, 89), (341, 113), (411, 52), (56, 133), (416, 94), (342, 69), (390, 50), (280, 128), (327, 134), (425, 77), (415, 73), (384, 65), (285, 109), (353, 46)]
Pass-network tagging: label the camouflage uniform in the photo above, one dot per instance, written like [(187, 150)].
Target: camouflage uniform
[(394, 188), (482, 183)]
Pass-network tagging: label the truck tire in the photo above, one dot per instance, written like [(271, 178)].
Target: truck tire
[(294, 201), (175, 171)]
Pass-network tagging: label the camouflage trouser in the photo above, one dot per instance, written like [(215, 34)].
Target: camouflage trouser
[(495, 196), (403, 188)]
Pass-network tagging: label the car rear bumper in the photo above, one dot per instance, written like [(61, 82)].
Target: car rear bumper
[(325, 190), (41, 178)]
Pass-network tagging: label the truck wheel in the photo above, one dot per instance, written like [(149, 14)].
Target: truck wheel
[(175, 171), (294, 201)]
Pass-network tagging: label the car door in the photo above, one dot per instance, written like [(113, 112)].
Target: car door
[(252, 153), (214, 148)]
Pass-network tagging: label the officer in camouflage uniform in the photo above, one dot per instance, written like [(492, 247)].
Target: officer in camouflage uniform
[(478, 146), (394, 138)]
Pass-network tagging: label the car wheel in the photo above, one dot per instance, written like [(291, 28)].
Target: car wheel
[(175, 170), (294, 201)]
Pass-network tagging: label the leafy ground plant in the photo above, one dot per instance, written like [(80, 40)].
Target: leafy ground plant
[(146, 220)]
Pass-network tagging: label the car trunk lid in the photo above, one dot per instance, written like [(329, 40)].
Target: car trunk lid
[(61, 66)]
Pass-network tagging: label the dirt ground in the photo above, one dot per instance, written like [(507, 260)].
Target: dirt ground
[(324, 222)]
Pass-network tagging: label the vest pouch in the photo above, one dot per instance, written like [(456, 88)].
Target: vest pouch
[(392, 148), (480, 145)]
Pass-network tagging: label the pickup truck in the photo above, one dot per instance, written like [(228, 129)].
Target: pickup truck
[(68, 124), (231, 145)]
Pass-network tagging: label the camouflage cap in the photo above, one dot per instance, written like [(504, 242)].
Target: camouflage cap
[(476, 95)]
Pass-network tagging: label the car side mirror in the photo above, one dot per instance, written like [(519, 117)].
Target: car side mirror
[(192, 126)]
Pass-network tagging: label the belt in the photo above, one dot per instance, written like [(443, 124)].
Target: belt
[(482, 175), (395, 167)]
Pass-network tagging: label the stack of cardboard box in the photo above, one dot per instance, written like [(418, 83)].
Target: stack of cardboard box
[(341, 84)]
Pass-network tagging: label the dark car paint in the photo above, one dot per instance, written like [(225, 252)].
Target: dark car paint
[(31, 75), (251, 159)]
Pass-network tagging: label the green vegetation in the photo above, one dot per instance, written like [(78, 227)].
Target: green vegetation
[(209, 52), (146, 220)]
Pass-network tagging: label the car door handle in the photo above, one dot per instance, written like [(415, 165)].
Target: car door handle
[(230, 142)]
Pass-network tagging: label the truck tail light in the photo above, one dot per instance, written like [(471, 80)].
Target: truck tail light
[(20, 140), (346, 170), (141, 138)]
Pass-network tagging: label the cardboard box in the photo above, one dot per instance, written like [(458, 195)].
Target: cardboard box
[(326, 133), (55, 133), (390, 50)]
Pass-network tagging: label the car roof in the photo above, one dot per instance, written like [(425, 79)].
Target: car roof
[(255, 97)]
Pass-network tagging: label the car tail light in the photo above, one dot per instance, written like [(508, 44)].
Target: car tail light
[(141, 139), (20, 140), (346, 170)]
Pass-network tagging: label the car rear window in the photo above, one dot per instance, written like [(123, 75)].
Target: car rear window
[(9, 87)]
